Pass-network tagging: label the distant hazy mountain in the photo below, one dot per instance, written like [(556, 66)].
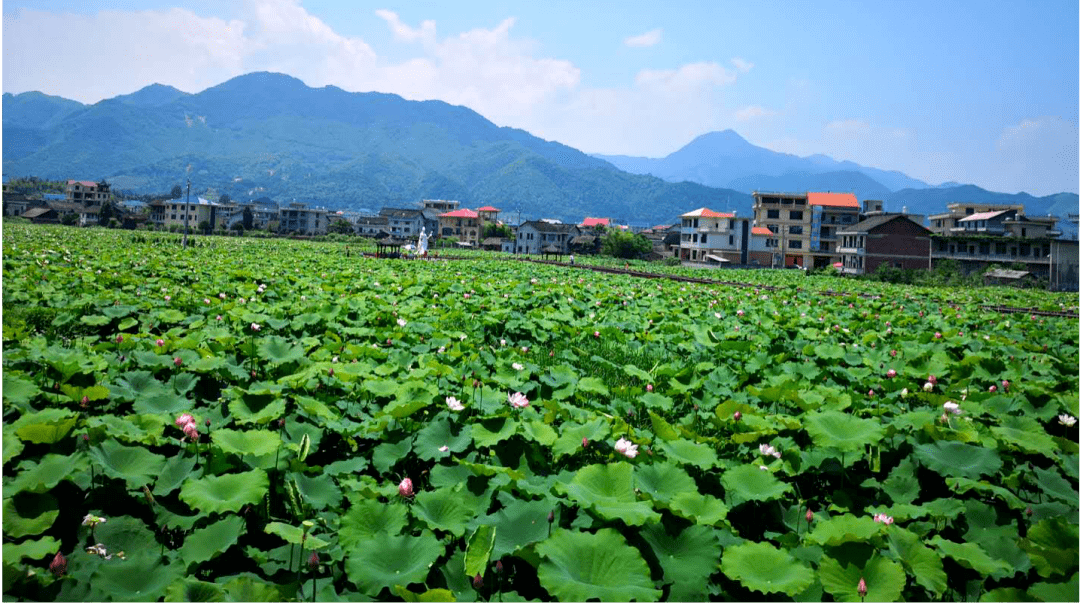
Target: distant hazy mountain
[(270, 135), (838, 181), (725, 159), (933, 200)]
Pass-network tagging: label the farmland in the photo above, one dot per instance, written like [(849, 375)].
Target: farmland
[(487, 429)]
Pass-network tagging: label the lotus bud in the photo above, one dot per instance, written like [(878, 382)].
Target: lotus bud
[(862, 587), (1005, 385), (1028, 511), (891, 373), (738, 415), (313, 560), (498, 566), (58, 566), (585, 441), (478, 582), (330, 372), (178, 361), (648, 388), (405, 489), (85, 401), (551, 516), (119, 339)]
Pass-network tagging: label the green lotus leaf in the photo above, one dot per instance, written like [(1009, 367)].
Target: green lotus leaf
[(950, 458), (18, 391), (447, 509), (1055, 486), (256, 409), (385, 561), (570, 435), (137, 466), (884, 580), (687, 559), (594, 385), (579, 566), (519, 523), (315, 408), (652, 400), (765, 568), (319, 491), (971, 556), (662, 481), (700, 508), (902, 485), (12, 447), (278, 351), (29, 514), (387, 454), (437, 434), (296, 536), (173, 474), (212, 540), (435, 595), (661, 428), (248, 588), (46, 474), (225, 492), (1052, 546), (845, 528), (478, 550), (608, 489), (961, 486), (191, 590), (1006, 595), (829, 351), (841, 430), (162, 403), (142, 578), (246, 442), (749, 482), (689, 452), (540, 432), (126, 534), (1024, 434), (30, 549), (922, 562), (491, 431), (1065, 592), (46, 433), (144, 429), (369, 518)]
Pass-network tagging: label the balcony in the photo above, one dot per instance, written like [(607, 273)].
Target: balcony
[(991, 257), (850, 251)]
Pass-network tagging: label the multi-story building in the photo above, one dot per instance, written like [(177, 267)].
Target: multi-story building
[(87, 193), (805, 225), (488, 214), (1003, 237), (534, 236), (440, 206), (300, 219), (377, 226), (463, 224), (709, 236), (594, 222), (407, 223), (944, 223), (890, 239)]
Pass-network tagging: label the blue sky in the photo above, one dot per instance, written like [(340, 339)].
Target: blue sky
[(976, 92)]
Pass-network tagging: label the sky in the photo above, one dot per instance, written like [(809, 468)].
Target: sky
[(975, 92)]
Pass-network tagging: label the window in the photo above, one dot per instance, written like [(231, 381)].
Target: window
[(795, 229), (969, 210), (770, 243), (704, 238), (1023, 232), (984, 249), (795, 215), (695, 223), (773, 214), (731, 239), (794, 244), (1025, 250), (999, 248), (775, 229)]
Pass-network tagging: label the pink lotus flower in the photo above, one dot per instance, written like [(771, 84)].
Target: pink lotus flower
[(626, 447), (405, 488), (1005, 385), (518, 400), (454, 404), (192, 431), (313, 560), (648, 388), (58, 566), (928, 387), (892, 353), (870, 394), (585, 441), (862, 587), (769, 450), (219, 317), (891, 373), (951, 408), (160, 342), (809, 515), (119, 339), (402, 322), (883, 518), (255, 327), (739, 313), (596, 334), (177, 361), (184, 420), (737, 416), (206, 301), (993, 388), (167, 298), (937, 335)]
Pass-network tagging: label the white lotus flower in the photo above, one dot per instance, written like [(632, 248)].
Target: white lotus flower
[(626, 447), (951, 408), (1067, 420), (769, 450), (454, 404), (518, 366)]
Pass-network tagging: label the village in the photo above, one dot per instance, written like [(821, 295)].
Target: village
[(807, 230)]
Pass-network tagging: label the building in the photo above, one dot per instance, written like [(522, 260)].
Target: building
[(440, 206), (1007, 222), (407, 223), (944, 223), (533, 236), (708, 236), (463, 224), (377, 226), (173, 212), (261, 216), (593, 222), (298, 218), (87, 193), (488, 214), (890, 239), (805, 225)]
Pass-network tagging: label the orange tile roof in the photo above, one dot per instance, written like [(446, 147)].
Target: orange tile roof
[(761, 232), (704, 212), (595, 221), (829, 199), (462, 213), (488, 208)]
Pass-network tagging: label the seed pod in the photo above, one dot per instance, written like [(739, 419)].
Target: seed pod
[(291, 494), (305, 447)]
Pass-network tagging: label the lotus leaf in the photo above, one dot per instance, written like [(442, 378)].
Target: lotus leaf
[(765, 568), (951, 458), (841, 430), (137, 466), (225, 492), (478, 550), (687, 559), (608, 489), (749, 482), (385, 561), (446, 509), (212, 540), (884, 580), (579, 566)]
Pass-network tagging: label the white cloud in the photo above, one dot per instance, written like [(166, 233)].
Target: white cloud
[(741, 64), (649, 38), (1038, 156), (425, 33), (751, 112), (685, 79)]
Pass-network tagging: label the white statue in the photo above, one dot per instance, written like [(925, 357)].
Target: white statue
[(421, 246)]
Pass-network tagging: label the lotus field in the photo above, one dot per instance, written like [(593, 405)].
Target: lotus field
[(272, 420)]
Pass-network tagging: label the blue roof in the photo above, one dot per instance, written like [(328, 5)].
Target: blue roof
[(54, 197)]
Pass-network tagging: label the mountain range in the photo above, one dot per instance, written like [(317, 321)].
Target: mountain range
[(269, 135)]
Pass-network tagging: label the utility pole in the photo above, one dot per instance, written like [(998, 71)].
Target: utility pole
[(187, 211)]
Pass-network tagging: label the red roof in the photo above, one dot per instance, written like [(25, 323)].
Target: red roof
[(596, 221), (829, 199), (89, 184), (761, 232), (488, 208), (462, 213), (704, 212)]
